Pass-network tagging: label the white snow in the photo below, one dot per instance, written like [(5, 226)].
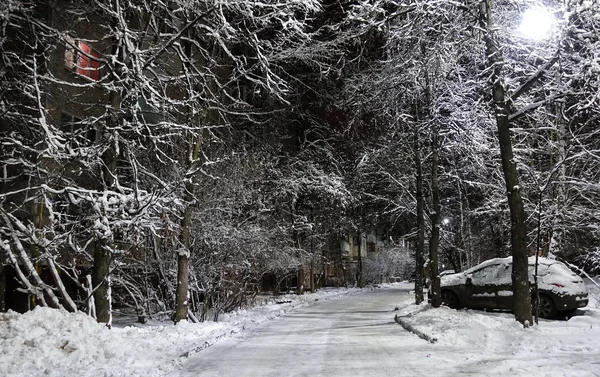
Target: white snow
[(48, 342), (472, 342), (57, 343)]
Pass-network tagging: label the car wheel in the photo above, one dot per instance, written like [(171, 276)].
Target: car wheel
[(450, 299), (546, 307)]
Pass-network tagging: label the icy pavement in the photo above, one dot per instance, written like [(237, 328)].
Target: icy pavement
[(351, 335)]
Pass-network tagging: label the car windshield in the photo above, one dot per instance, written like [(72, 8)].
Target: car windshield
[(560, 269), (542, 269), (491, 262)]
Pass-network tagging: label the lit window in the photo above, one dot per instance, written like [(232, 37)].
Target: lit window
[(82, 59)]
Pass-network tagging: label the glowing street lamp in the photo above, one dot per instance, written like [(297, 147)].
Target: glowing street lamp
[(536, 23), (446, 221)]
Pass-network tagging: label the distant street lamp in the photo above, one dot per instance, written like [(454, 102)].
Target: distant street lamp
[(446, 221), (536, 23)]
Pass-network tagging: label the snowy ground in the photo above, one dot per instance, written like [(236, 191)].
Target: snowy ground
[(317, 336), (47, 342), (471, 342)]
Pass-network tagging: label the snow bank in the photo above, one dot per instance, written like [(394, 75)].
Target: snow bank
[(48, 342), (57, 343), (471, 342), (462, 328), (594, 292)]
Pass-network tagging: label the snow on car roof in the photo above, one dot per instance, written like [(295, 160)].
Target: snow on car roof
[(508, 260)]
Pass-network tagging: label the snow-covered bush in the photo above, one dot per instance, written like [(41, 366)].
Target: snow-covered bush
[(393, 262)]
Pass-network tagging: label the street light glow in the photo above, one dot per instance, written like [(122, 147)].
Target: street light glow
[(536, 23), (446, 221)]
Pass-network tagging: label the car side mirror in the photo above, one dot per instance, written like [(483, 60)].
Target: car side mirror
[(469, 281)]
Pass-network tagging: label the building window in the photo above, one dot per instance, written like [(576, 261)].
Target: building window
[(82, 59)]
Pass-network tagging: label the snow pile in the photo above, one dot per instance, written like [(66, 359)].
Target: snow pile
[(57, 343), (594, 292), (461, 328), (494, 344)]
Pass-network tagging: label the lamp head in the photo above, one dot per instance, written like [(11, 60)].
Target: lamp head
[(536, 23)]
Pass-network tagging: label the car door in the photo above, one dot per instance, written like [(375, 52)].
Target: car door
[(481, 289), (504, 288)]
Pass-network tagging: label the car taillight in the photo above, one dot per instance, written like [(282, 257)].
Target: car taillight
[(558, 285)]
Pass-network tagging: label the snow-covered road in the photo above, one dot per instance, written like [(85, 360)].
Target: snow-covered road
[(334, 332), (353, 336), (357, 336)]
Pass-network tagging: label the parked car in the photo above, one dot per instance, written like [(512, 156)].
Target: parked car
[(428, 280), (489, 286)]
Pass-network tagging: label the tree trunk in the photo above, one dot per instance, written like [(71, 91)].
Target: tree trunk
[(183, 273), (520, 272), (419, 255), (300, 281), (277, 286), (60, 287), (103, 246), (313, 288), (181, 292), (434, 241), (359, 265), (2, 283), (100, 271)]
